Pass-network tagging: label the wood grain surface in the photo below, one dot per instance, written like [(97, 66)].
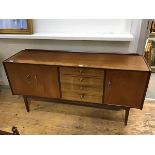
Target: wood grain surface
[(83, 88), (125, 88), (81, 80), (35, 80), (78, 71), (81, 96), (85, 59)]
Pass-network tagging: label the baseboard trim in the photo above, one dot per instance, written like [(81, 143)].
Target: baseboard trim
[(150, 100), (4, 86)]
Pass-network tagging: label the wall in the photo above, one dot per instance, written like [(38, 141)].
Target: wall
[(82, 26), (9, 47)]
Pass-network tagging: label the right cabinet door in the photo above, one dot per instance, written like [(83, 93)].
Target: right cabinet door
[(125, 88)]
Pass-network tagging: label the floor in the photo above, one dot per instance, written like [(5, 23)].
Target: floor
[(62, 119), (151, 88)]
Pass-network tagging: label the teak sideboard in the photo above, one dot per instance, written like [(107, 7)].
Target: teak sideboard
[(117, 81)]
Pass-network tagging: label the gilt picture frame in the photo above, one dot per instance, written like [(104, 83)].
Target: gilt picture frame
[(16, 26), (151, 27)]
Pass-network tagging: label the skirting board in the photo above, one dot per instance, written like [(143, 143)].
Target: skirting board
[(5, 86), (150, 100)]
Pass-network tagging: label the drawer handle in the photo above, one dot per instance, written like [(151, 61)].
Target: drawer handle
[(81, 79), (81, 71), (109, 83), (81, 88), (82, 96)]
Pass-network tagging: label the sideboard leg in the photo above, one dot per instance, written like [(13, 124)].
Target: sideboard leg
[(26, 103), (126, 115)]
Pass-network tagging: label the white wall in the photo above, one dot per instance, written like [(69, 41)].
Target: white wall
[(9, 47), (106, 26)]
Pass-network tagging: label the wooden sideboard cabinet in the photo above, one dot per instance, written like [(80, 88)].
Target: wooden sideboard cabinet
[(115, 81)]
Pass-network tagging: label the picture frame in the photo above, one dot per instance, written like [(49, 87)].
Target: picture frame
[(151, 28), (16, 26)]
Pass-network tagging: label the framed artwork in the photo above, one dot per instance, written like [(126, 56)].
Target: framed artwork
[(151, 28), (16, 26)]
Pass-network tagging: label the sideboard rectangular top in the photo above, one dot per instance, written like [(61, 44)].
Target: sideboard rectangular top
[(81, 59)]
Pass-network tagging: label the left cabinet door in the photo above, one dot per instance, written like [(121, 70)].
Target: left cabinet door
[(33, 80)]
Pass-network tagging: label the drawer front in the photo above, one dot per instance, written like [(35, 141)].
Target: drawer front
[(33, 80), (81, 71), (81, 80), (82, 84), (81, 97), (87, 89)]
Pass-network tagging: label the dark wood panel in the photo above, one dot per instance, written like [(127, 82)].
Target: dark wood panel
[(83, 59), (125, 88), (35, 80)]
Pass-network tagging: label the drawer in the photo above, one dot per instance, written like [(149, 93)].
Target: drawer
[(91, 90), (81, 80), (81, 97), (81, 71)]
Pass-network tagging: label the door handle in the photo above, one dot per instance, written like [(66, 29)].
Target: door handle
[(28, 79), (109, 83)]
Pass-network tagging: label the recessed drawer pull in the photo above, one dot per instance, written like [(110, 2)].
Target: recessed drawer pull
[(81, 79), (81, 71), (82, 96), (81, 88)]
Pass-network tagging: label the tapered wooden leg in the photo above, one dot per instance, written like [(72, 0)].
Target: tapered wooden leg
[(26, 103), (126, 115)]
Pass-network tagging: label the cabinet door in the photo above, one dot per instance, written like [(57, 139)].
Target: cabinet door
[(33, 80), (125, 88)]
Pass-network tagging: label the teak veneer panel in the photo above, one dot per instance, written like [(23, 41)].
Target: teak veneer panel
[(125, 88), (81, 80), (35, 80), (82, 97), (78, 71), (83, 88), (74, 59)]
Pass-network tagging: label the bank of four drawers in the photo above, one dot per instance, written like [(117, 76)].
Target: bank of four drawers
[(82, 84)]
